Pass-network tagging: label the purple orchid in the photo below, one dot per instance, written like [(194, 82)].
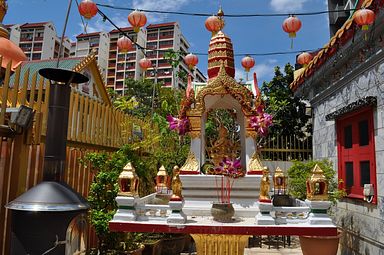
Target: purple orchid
[(231, 168), (181, 125), (261, 122)]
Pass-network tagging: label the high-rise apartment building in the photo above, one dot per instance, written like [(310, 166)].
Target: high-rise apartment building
[(157, 39), (99, 42), (164, 37), (124, 65), (38, 40)]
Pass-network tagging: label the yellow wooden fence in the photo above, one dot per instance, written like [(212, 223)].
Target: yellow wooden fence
[(92, 126)]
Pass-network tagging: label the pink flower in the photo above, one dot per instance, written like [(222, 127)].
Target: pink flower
[(261, 122), (231, 168), (181, 125)]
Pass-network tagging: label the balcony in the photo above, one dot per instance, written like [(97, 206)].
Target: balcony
[(39, 38), (166, 37), (163, 65), (28, 39), (37, 48)]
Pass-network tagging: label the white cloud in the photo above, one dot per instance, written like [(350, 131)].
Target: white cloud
[(263, 71), (98, 25), (287, 5), (159, 5)]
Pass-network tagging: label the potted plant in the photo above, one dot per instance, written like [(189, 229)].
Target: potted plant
[(172, 244), (152, 243), (298, 174)]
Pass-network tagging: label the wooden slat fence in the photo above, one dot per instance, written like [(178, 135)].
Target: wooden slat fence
[(92, 126)]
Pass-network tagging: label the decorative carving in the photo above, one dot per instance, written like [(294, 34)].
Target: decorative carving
[(317, 185), (3, 9), (191, 164), (265, 186), (224, 84), (255, 163), (195, 134), (366, 101), (251, 133)]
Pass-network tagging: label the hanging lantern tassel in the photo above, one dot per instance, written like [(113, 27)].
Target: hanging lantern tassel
[(292, 36), (291, 25)]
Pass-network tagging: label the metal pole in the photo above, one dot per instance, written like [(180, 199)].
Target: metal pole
[(63, 34)]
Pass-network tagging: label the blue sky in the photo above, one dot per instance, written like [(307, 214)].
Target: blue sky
[(249, 35)]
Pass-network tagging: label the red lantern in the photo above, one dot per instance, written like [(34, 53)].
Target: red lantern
[(88, 9), (137, 19), (145, 63), (248, 62), (291, 25), (213, 24), (191, 60), (124, 44), (364, 18), (304, 58)]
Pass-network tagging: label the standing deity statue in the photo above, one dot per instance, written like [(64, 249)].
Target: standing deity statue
[(265, 186), (176, 184)]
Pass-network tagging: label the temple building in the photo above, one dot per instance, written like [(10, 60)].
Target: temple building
[(344, 84)]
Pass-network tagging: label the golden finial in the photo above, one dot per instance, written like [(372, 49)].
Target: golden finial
[(220, 14), (3, 9)]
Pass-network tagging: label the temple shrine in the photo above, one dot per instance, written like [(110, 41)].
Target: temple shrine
[(197, 189)]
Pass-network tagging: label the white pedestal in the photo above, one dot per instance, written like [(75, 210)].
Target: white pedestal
[(177, 216), (318, 215), (264, 216), (126, 209)]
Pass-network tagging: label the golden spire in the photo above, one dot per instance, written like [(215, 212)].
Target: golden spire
[(3, 9)]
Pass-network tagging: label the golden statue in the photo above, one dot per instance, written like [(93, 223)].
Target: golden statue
[(317, 185), (265, 186), (3, 9), (176, 184), (222, 147)]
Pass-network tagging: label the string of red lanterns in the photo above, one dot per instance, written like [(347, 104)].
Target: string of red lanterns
[(291, 25)]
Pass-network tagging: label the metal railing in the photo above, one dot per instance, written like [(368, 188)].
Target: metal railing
[(286, 148)]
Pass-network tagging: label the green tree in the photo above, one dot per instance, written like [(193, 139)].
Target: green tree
[(288, 110)]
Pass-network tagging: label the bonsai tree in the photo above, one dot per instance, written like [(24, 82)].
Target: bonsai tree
[(300, 171)]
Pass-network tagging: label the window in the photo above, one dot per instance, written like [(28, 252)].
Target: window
[(356, 152)]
